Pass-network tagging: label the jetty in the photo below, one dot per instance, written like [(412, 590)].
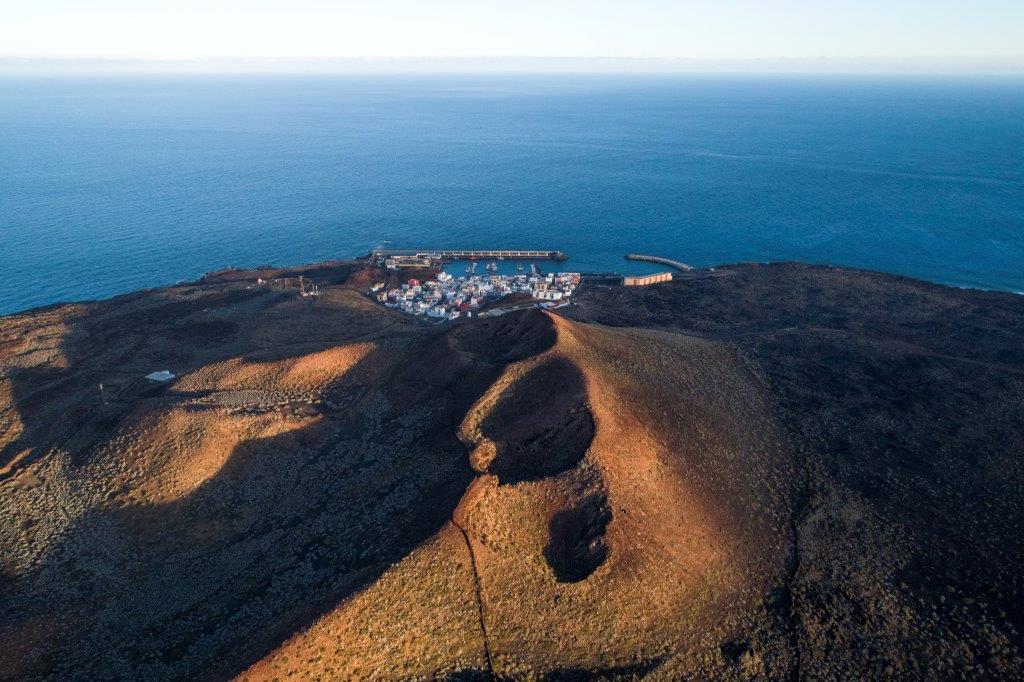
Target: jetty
[(471, 254), (678, 265)]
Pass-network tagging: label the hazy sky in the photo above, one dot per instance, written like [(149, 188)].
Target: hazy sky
[(713, 29)]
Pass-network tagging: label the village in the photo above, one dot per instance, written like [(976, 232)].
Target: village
[(448, 297)]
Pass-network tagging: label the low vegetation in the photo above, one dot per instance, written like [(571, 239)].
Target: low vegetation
[(755, 472)]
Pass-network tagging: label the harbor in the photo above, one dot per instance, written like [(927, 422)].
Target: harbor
[(438, 286), (392, 258), (448, 296)]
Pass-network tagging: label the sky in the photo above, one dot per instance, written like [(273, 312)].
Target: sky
[(646, 29)]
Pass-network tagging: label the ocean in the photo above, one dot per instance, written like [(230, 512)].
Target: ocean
[(111, 184)]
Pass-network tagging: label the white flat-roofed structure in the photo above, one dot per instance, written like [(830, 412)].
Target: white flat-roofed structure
[(161, 376)]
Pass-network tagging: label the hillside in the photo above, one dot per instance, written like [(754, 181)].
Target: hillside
[(760, 471)]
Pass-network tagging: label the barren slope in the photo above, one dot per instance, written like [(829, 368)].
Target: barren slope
[(761, 472), (630, 514), (907, 400)]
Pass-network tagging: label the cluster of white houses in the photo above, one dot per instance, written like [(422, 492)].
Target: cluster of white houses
[(449, 297)]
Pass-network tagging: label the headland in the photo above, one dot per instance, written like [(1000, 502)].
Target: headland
[(753, 472)]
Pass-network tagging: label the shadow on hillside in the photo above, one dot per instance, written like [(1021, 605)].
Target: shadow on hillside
[(289, 526), (541, 425)]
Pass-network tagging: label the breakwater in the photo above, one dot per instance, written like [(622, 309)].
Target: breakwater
[(462, 254), (678, 265)]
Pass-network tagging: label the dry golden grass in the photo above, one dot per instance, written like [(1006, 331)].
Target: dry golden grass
[(419, 620), (311, 372), (167, 455), (331, 491), (694, 543)]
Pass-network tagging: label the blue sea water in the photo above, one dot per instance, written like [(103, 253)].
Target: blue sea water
[(113, 184)]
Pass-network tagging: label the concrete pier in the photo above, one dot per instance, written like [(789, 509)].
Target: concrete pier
[(678, 265), (465, 254)]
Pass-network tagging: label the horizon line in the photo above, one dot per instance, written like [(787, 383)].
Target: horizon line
[(953, 65)]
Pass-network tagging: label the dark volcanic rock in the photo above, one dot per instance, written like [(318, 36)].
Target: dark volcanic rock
[(908, 401), (762, 471)]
